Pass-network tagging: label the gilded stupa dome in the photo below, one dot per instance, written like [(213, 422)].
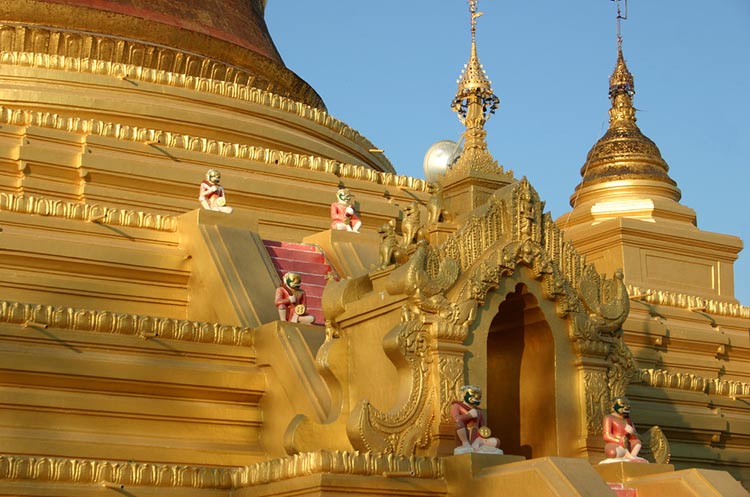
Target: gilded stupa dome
[(231, 32), (624, 154)]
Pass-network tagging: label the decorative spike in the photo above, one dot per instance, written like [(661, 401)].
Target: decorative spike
[(474, 87)]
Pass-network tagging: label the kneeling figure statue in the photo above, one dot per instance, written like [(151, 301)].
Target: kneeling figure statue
[(290, 300), (622, 442), (211, 196), (471, 428), (343, 215)]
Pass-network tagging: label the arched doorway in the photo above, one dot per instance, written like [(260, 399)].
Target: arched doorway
[(520, 388)]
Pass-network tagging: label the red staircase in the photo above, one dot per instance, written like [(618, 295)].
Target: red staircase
[(310, 263), (621, 491)]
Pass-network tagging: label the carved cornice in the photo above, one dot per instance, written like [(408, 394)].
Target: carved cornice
[(684, 301), (117, 323), (41, 206), (128, 473), (47, 48), (20, 117), (661, 378), (341, 462)]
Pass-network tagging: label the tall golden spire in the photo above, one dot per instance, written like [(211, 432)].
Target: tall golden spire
[(474, 103), (624, 161)]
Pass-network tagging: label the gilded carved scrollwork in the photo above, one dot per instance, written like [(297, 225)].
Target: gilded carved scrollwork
[(528, 215), (478, 161), (425, 275), (597, 400), (606, 301), (451, 372), (408, 428), (657, 446), (511, 232), (621, 368), (424, 279)]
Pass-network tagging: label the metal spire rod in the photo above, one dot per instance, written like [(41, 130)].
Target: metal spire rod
[(620, 16), (474, 15)]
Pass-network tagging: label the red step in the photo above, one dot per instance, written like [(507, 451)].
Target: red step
[(294, 246), (299, 255), (621, 491), (310, 263)]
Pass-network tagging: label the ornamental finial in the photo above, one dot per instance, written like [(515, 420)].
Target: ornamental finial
[(621, 84), (475, 100)]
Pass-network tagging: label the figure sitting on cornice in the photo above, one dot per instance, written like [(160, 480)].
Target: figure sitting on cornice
[(411, 224), (290, 300), (622, 442), (211, 194), (343, 215), (436, 205), (390, 251), (471, 429)]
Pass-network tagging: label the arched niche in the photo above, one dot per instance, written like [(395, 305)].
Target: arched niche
[(521, 356)]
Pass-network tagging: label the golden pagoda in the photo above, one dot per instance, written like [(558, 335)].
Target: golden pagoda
[(142, 349), (687, 332)]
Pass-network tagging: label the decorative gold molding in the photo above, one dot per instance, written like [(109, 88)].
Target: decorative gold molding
[(341, 462), (64, 470), (130, 473), (117, 323), (41, 206), (21, 117), (47, 48), (685, 301), (661, 378)]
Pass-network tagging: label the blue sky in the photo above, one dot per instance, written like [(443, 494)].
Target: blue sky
[(389, 70)]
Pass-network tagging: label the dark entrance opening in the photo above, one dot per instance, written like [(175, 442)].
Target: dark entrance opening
[(520, 392)]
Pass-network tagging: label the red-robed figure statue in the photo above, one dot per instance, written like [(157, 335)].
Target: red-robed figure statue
[(211, 195), (290, 300), (622, 442), (471, 428), (343, 215)]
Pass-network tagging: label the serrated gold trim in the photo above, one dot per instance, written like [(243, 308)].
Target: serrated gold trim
[(22, 117), (41, 206), (119, 323), (158, 65)]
